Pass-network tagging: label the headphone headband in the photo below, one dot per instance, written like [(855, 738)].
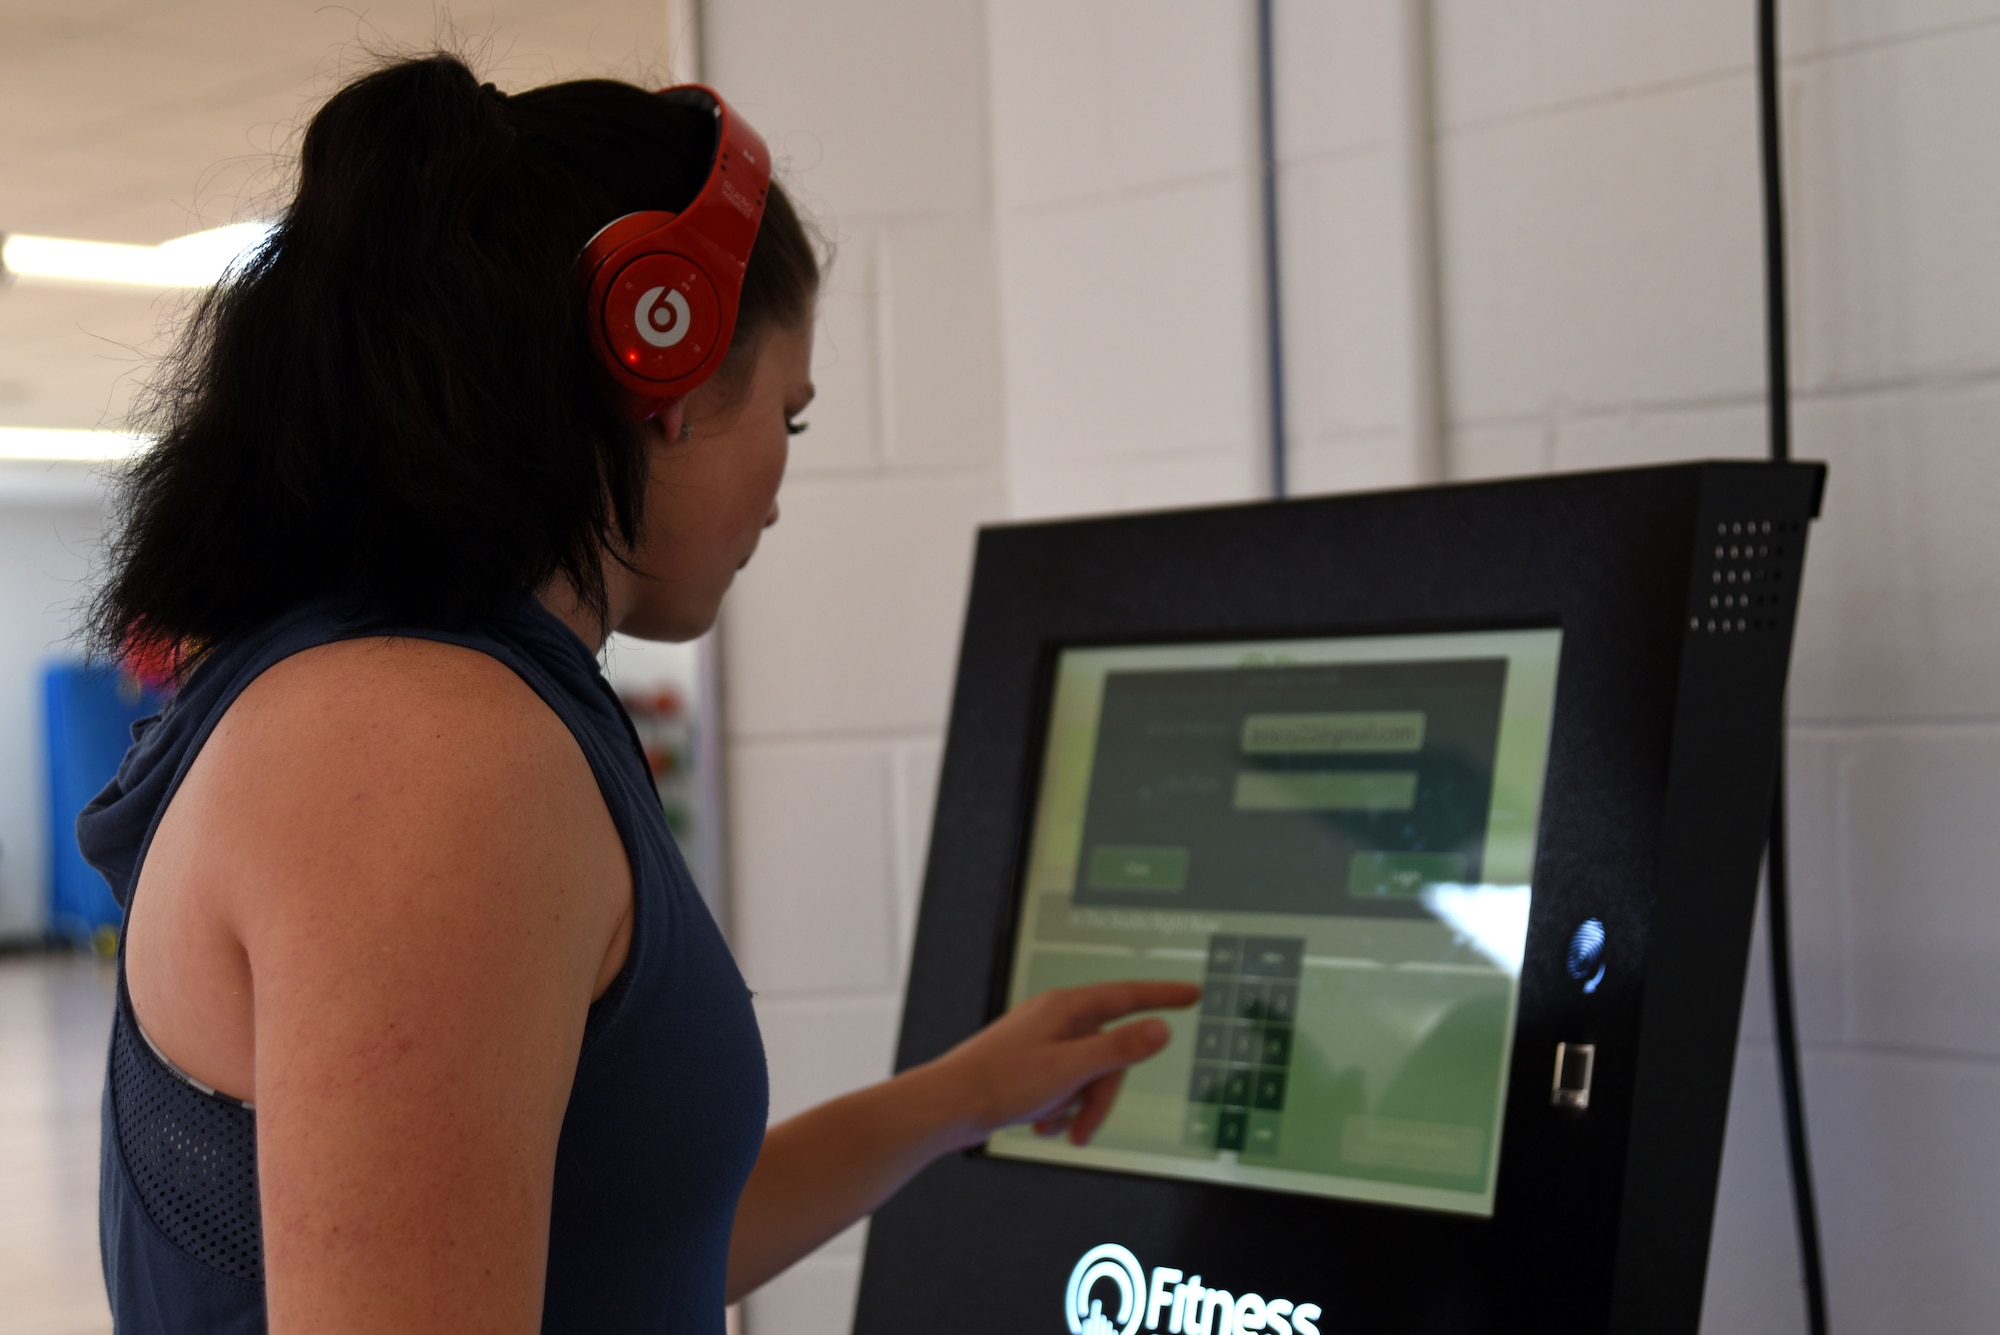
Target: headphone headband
[(664, 287)]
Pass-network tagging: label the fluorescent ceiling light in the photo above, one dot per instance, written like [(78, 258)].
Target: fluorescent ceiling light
[(41, 444), (195, 260)]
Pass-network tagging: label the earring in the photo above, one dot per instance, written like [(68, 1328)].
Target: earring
[(687, 432)]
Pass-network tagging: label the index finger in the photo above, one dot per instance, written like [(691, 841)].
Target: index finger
[(1101, 1003)]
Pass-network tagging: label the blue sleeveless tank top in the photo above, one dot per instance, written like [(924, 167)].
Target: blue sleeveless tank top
[(665, 1118)]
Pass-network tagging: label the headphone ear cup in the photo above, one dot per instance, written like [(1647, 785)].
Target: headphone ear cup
[(660, 317), (662, 287)]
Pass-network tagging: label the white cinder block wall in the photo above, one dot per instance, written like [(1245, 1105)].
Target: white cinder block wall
[(1598, 219), (1047, 302), (1124, 155), (45, 545), (840, 638)]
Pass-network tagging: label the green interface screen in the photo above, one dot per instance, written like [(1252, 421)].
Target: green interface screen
[(1334, 837)]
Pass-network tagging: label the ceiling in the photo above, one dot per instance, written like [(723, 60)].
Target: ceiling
[(141, 120)]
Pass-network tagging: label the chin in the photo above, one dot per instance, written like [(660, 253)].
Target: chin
[(670, 625), (676, 632)]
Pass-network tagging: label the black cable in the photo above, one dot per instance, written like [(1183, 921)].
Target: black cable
[(1777, 329), (1274, 325), (1785, 1023), (1777, 878)]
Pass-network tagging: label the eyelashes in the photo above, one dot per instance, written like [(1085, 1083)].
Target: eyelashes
[(797, 428)]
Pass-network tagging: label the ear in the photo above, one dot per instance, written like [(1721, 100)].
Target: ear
[(671, 415)]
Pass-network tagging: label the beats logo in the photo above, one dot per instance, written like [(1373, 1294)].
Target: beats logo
[(647, 316), (661, 321)]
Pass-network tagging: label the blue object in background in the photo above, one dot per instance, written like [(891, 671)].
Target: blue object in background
[(89, 712)]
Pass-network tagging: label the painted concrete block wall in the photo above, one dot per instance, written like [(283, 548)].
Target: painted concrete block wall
[(1132, 302), (840, 639), (1124, 157), (44, 561), (1598, 217), (1349, 244), (1047, 302)]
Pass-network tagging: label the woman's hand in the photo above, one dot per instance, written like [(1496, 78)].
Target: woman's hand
[(1051, 1061)]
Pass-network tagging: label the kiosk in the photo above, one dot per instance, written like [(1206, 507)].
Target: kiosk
[(1453, 800)]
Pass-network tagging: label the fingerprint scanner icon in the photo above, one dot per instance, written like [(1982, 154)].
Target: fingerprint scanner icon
[(1586, 954)]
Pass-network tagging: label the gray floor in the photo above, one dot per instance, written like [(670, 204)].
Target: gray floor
[(55, 1013)]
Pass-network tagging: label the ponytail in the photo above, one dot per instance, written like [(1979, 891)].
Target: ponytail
[(394, 402)]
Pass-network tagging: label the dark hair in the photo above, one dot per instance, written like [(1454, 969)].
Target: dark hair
[(394, 402)]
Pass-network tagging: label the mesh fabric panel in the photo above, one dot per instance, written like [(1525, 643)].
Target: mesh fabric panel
[(192, 1157)]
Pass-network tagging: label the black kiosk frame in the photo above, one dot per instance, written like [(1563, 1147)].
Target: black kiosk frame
[(1674, 590)]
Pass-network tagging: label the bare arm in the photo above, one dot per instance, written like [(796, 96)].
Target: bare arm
[(1049, 1061), (416, 862)]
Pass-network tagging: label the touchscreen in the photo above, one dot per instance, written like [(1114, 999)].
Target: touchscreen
[(1334, 837)]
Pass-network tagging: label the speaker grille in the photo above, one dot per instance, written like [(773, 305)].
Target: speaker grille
[(1746, 574)]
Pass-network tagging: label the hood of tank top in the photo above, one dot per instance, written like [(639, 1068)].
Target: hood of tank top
[(114, 830), (110, 830)]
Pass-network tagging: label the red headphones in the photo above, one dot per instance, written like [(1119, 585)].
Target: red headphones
[(664, 287)]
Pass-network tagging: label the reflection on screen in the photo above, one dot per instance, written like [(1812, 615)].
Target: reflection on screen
[(1334, 837)]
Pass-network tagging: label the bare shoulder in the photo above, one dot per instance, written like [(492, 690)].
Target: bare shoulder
[(392, 700), (371, 766), (411, 856)]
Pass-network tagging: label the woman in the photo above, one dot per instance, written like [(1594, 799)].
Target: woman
[(421, 1024)]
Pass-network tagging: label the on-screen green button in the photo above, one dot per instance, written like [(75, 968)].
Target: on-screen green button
[(1121, 867), (1401, 875)]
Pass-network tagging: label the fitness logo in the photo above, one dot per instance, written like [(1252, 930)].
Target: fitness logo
[(1086, 1310), (1173, 1302), (647, 317)]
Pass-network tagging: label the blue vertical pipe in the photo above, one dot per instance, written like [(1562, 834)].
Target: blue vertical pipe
[(1274, 322)]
